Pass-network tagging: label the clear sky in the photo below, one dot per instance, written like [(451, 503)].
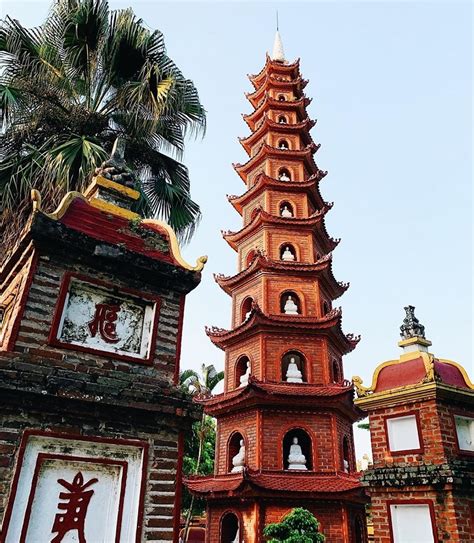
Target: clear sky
[(391, 86)]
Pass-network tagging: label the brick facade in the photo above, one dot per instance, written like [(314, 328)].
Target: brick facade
[(77, 393), (434, 471)]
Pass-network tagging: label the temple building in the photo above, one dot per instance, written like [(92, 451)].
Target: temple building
[(92, 421), (284, 420), (421, 412)]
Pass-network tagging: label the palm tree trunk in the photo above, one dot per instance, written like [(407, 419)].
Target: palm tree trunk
[(196, 471)]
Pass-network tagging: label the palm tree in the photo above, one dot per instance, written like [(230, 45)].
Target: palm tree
[(70, 87), (199, 386)]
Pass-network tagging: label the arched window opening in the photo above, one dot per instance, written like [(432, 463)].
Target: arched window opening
[(250, 256), (287, 253), (283, 145), (290, 303), (297, 450), (293, 367), (286, 210), (242, 371), (246, 308), (230, 529), (284, 174), (236, 453), (282, 119), (318, 256), (336, 371), (281, 98), (346, 457), (326, 307)]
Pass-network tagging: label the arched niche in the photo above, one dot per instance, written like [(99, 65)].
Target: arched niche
[(286, 209), (304, 441), (346, 455), (288, 252), (336, 371), (233, 448), (230, 528), (326, 307), (290, 303), (282, 119), (300, 362), (284, 174), (245, 308), (281, 98), (243, 362), (250, 256), (284, 145)]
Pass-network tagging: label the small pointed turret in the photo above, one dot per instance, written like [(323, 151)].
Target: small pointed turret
[(278, 54)]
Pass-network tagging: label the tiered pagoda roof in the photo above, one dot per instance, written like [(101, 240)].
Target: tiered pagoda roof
[(322, 268), (250, 482), (258, 321)]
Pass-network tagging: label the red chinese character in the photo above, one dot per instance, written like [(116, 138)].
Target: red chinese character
[(75, 508), (104, 322)]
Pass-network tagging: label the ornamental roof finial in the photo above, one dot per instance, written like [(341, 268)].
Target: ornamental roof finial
[(412, 332), (278, 54), (411, 326)]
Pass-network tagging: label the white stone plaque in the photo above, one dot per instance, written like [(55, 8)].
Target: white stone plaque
[(70, 490)]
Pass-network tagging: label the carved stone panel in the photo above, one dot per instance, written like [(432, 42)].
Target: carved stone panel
[(97, 317), (70, 489)]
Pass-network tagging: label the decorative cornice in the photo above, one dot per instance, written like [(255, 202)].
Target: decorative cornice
[(321, 268), (273, 67), (268, 102), (261, 217), (267, 151), (262, 180), (70, 197), (329, 323), (268, 124)]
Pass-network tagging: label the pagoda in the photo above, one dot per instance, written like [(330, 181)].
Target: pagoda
[(284, 420)]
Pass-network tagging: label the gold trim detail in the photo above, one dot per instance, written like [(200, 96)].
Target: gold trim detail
[(62, 207), (114, 210), (175, 250), (430, 377), (108, 184), (415, 341)]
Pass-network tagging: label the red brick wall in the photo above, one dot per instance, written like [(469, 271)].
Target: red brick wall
[(299, 203), (452, 515), (438, 433), (246, 424)]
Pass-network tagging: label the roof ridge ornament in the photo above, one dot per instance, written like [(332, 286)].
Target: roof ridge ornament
[(413, 332)]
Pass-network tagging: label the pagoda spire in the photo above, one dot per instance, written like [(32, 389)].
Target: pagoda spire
[(278, 53)]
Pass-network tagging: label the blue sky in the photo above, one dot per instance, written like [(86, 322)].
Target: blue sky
[(391, 84)]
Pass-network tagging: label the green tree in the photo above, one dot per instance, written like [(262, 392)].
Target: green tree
[(200, 386), (298, 526), (70, 87)]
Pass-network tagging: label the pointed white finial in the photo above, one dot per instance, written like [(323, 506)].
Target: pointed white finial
[(278, 53)]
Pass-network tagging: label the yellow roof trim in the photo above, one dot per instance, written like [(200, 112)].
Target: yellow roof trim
[(115, 210), (428, 360), (62, 207), (117, 187), (175, 250)]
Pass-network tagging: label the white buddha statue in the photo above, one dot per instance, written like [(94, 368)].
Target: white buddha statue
[(284, 146), (285, 212), (237, 537), (287, 255), (284, 176), (244, 379), (290, 307), (238, 462), (293, 374), (296, 459)]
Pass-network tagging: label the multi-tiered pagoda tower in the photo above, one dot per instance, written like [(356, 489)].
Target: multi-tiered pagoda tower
[(284, 421)]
